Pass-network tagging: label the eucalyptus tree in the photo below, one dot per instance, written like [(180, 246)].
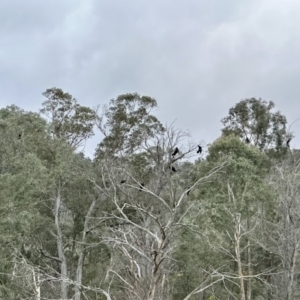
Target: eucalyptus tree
[(146, 210), (69, 120), (127, 122), (69, 201), (22, 178), (54, 203), (254, 121), (146, 199), (230, 207), (280, 235)]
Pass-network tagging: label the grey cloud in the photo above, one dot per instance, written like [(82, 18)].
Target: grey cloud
[(197, 58)]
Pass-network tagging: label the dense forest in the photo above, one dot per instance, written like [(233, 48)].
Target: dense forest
[(154, 215)]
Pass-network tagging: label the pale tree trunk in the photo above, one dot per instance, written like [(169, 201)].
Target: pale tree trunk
[(291, 263), (152, 287), (237, 237), (249, 286), (155, 275), (60, 248), (157, 279), (37, 286), (77, 295), (145, 263), (291, 272)]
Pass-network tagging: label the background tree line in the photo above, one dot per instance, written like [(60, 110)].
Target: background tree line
[(140, 221)]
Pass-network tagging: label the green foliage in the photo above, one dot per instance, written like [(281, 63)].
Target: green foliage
[(241, 185), (243, 156), (38, 161), (23, 178), (253, 119), (128, 124), (69, 120)]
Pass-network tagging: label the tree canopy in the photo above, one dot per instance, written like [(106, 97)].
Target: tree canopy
[(254, 121), (125, 225)]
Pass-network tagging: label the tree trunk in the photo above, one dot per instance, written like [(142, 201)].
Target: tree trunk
[(37, 286), (249, 273), (77, 295), (291, 273), (60, 248), (153, 283), (237, 236)]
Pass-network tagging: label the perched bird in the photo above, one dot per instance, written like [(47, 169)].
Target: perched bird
[(173, 169), (122, 181), (141, 186), (19, 137), (199, 149), (175, 151), (247, 140), (288, 142)]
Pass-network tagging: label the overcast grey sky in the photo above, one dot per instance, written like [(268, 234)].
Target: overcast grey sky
[(197, 58)]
